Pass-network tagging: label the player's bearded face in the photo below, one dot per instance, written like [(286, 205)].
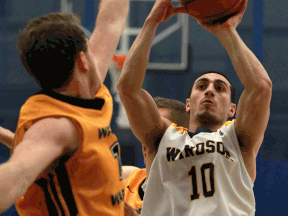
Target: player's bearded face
[(210, 100)]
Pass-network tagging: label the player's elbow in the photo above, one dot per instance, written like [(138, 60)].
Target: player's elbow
[(264, 88), (124, 88)]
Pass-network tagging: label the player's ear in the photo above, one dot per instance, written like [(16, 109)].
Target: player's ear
[(81, 62), (188, 105), (232, 110)]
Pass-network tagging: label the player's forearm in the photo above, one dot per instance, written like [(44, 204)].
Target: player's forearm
[(12, 186), (6, 137), (113, 11), (249, 69), (135, 66)]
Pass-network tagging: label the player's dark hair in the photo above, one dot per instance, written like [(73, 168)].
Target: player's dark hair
[(178, 112), (232, 88), (48, 47)]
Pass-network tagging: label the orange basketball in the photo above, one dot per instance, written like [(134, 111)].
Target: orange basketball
[(213, 11)]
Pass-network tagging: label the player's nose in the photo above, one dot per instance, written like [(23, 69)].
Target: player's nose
[(210, 91)]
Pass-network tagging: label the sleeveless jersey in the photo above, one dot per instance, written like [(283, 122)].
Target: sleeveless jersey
[(134, 193), (90, 181), (197, 174)]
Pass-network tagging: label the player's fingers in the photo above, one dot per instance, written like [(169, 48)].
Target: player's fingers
[(180, 9), (243, 9)]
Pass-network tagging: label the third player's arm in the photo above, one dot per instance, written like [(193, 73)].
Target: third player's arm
[(109, 26), (6, 137), (254, 105)]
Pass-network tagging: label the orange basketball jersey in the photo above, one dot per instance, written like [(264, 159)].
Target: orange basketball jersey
[(133, 191), (90, 181)]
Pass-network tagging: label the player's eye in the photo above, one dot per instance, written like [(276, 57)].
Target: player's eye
[(200, 86), (219, 88)]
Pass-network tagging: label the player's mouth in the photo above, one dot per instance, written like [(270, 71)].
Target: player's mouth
[(208, 102)]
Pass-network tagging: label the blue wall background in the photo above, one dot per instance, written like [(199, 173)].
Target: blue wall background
[(264, 29)]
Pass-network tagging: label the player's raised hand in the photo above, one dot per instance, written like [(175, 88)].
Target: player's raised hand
[(163, 10), (231, 23)]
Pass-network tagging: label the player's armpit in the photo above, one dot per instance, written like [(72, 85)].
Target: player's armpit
[(42, 144), (6, 137)]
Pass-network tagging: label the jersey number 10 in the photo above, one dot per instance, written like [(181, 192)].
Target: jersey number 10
[(195, 194)]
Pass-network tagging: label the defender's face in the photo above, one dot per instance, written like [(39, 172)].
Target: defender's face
[(211, 96)]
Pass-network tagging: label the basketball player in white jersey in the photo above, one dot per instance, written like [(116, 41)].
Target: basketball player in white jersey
[(193, 173)]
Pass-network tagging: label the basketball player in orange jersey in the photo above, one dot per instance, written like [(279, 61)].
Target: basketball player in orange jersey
[(65, 160), (200, 173), (171, 109)]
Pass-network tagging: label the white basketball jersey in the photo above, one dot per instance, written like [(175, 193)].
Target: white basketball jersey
[(199, 174)]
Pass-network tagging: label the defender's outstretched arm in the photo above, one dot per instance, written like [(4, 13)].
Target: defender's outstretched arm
[(109, 27)]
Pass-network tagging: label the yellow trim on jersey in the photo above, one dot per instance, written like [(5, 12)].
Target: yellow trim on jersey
[(228, 123), (180, 129)]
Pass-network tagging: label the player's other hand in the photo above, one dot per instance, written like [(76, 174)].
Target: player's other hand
[(230, 24), (129, 211), (163, 10)]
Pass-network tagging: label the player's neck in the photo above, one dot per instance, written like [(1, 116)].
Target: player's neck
[(80, 86), (193, 127)]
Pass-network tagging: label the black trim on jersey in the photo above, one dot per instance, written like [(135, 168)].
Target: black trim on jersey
[(96, 103), (54, 191), (43, 183), (64, 183), (66, 191), (199, 130), (140, 190)]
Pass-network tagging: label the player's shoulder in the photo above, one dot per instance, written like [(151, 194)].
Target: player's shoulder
[(227, 123), (179, 128), (61, 130), (136, 175), (103, 92)]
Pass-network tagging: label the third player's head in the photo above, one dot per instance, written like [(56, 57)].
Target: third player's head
[(51, 47), (173, 110), (211, 101)]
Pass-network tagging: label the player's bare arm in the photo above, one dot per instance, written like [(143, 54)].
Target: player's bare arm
[(42, 144), (254, 105), (6, 137), (109, 26), (143, 115)]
